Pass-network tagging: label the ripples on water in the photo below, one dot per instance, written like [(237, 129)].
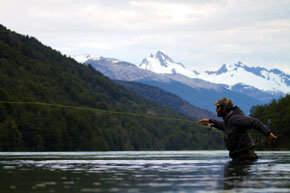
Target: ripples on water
[(164, 171)]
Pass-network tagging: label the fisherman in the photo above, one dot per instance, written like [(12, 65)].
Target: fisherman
[(235, 126)]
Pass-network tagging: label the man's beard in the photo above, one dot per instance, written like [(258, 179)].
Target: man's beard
[(220, 113)]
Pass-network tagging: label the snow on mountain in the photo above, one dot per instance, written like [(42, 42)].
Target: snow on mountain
[(82, 58), (273, 81), (85, 57), (120, 70), (163, 64), (257, 77)]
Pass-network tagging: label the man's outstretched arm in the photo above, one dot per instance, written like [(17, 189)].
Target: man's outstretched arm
[(204, 122), (253, 123), (215, 123), (272, 137)]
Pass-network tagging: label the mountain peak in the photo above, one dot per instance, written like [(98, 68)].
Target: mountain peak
[(222, 70), (84, 57), (161, 63), (162, 58), (240, 64)]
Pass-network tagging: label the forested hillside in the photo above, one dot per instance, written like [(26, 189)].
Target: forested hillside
[(32, 72), (277, 116)]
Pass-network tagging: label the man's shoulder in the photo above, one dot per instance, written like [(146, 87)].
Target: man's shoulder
[(237, 110)]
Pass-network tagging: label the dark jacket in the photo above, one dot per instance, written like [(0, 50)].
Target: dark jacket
[(236, 128)]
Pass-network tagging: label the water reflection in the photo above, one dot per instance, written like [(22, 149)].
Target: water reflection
[(236, 173), (182, 171)]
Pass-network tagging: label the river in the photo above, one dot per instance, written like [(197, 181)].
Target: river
[(142, 171)]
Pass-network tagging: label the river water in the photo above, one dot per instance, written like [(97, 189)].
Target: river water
[(142, 171)]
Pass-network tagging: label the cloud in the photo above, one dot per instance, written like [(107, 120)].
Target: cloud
[(195, 32)]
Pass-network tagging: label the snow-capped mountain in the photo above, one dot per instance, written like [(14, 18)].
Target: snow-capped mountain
[(246, 86), (163, 64), (260, 78), (238, 75), (197, 92), (85, 57), (119, 70)]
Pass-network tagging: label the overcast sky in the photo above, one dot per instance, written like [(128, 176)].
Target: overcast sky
[(201, 34)]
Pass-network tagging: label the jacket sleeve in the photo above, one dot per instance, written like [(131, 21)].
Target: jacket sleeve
[(259, 126), (253, 123), (217, 124)]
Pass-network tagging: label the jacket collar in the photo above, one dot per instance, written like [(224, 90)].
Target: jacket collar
[(235, 110)]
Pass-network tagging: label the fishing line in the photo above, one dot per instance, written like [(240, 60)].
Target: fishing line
[(102, 111), (108, 111), (95, 110)]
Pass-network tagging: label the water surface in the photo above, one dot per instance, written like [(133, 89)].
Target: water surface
[(148, 171)]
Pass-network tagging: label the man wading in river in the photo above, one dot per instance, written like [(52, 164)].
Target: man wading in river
[(236, 127)]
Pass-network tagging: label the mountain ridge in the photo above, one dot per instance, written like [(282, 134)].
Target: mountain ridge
[(197, 92), (272, 81)]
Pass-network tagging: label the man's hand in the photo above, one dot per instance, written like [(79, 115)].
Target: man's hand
[(272, 138), (204, 122)]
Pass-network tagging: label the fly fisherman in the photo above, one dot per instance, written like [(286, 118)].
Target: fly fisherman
[(235, 126)]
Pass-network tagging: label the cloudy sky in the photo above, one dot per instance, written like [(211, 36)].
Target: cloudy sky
[(201, 34)]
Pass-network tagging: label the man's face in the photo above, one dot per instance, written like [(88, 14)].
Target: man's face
[(219, 111)]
